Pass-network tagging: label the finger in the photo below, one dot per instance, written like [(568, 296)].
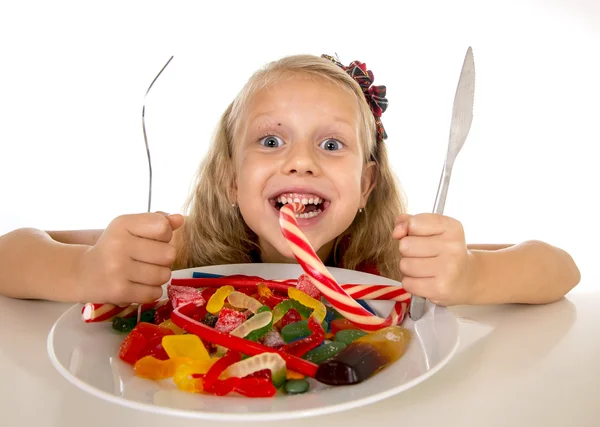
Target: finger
[(428, 224), (148, 274), (418, 267), (420, 286), (400, 226), (402, 218), (152, 251), (176, 221), (420, 246), (154, 226)]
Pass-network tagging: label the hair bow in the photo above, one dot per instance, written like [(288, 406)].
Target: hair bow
[(375, 95)]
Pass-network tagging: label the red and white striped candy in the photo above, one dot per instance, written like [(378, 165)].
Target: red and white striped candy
[(324, 281), (92, 312)]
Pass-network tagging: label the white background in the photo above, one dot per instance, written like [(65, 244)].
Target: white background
[(73, 77)]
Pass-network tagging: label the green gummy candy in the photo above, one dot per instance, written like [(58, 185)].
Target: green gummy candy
[(124, 324), (296, 386), (324, 352), (261, 332), (296, 330), (147, 316), (346, 336)]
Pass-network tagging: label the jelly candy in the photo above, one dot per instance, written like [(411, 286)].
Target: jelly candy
[(216, 301), (296, 386), (273, 339), (172, 326), (181, 295), (123, 324), (348, 335), (284, 306), (300, 347), (271, 361), (229, 319), (184, 374), (341, 324), (188, 345), (259, 320), (154, 369), (261, 332), (210, 320), (295, 331), (365, 356), (324, 352), (163, 313), (305, 285), (213, 374), (241, 300), (143, 340), (292, 316), (319, 310)]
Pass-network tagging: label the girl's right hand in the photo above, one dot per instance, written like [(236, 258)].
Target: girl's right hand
[(130, 261)]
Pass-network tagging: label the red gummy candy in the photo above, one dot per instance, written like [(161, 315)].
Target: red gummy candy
[(229, 319), (163, 313), (291, 316), (180, 295), (144, 339), (305, 285)]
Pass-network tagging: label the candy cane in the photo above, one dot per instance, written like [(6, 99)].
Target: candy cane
[(324, 281), (92, 312), (365, 292)]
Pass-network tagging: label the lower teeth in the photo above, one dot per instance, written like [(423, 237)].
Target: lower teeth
[(309, 214)]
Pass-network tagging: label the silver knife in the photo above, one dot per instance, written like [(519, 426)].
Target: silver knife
[(462, 116)]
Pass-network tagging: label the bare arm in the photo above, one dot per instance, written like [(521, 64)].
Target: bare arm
[(40, 265), (127, 262), (531, 272)]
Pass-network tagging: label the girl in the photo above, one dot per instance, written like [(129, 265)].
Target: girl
[(304, 128)]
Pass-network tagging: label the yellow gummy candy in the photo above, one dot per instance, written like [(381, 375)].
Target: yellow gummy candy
[(216, 301), (319, 310), (172, 326), (154, 369), (188, 345), (183, 374)]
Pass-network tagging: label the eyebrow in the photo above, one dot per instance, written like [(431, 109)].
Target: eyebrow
[(270, 119)]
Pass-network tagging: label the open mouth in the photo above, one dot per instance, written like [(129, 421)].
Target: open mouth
[(313, 204)]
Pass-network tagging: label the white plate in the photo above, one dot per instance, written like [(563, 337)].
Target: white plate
[(86, 355)]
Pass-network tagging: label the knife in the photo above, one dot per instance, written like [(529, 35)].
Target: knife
[(462, 116)]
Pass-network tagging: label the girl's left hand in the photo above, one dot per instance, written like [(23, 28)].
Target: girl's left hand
[(436, 263)]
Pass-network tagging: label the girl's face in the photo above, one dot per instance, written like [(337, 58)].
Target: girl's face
[(299, 139)]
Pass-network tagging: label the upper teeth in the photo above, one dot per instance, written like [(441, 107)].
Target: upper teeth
[(288, 198)]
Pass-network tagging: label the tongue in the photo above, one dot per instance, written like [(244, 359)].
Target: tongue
[(310, 208)]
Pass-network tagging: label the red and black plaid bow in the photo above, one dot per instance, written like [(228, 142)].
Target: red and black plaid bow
[(375, 95)]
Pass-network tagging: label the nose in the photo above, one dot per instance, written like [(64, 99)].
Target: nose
[(301, 160)]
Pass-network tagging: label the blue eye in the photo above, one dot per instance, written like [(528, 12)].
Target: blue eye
[(271, 142), (331, 145)]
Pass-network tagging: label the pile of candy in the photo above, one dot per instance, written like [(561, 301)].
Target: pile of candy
[(253, 336)]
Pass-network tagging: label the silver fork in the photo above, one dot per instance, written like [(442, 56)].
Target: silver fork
[(139, 309), (462, 116)]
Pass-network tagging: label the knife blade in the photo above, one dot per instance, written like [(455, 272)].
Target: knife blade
[(462, 117)]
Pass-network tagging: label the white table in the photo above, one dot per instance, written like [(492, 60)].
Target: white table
[(516, 366)]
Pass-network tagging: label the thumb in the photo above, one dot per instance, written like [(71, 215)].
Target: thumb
[(176, 221), (401, 226)]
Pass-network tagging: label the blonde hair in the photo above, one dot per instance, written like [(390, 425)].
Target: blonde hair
[(215, 232)]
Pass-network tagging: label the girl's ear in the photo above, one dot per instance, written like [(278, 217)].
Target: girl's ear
[(367, 182)]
